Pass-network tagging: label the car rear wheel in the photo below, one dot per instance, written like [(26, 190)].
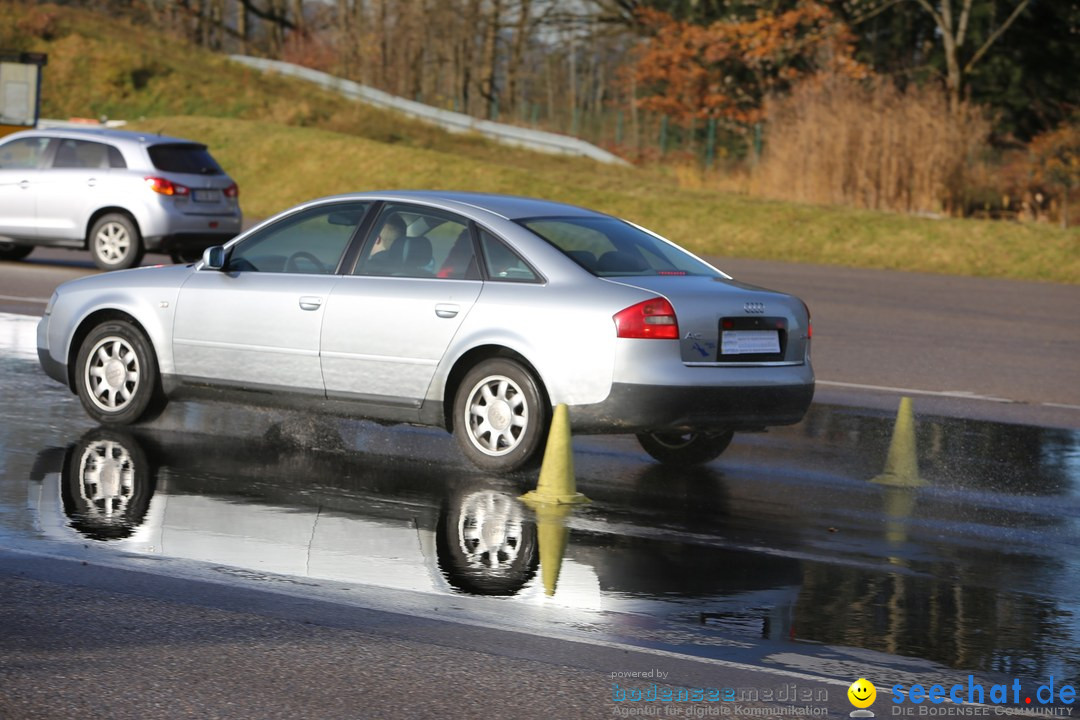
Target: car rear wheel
[(115, 242), (13, 251), (186, 256), (685, 449), (116, 374), (499, 419)]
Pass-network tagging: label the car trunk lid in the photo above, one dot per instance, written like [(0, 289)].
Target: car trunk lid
[(726, 322)]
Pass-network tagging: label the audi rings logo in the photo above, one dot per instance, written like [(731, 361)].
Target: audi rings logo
[(753, 307)]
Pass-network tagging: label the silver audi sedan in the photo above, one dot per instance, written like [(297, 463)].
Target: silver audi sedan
[(475, 313)]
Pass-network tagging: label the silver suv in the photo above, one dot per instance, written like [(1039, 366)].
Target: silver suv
[(115, 193)]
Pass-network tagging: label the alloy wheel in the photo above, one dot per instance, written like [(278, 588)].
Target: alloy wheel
[(112, 373)]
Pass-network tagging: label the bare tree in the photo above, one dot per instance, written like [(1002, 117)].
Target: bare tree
[(953, 28), (522, 30)]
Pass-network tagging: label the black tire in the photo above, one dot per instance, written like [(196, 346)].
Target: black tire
[(116, 374), (685, 449), (107, 485), (115, 242), (186, 257), (514, 438), (486, 544), (14, 251)]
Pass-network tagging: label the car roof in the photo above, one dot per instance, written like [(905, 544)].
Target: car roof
[(102, 133), (512, 207)]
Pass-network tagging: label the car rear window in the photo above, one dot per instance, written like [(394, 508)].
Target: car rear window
[(190, 158), (609, 247)]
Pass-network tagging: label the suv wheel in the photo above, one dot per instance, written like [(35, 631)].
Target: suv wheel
[(184, 257), (12, 251), (115, 242)]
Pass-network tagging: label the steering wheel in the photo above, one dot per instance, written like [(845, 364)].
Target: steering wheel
[(292, 266)]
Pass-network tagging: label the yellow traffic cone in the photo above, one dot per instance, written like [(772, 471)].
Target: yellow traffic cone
[(557, 484), (902, 464)]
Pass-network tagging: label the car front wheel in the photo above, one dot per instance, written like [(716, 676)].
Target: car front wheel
[(685, 449), (499, 418), (13, 251), (115, 243), (116, 374)]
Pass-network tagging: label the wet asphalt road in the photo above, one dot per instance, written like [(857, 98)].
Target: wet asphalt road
[(249, 551)]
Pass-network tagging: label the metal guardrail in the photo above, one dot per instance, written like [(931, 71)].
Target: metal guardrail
[(46, 123), (453, 121)]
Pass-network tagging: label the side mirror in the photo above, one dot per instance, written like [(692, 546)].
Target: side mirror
[(214, 258)]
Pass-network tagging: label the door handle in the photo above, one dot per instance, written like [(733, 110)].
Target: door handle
[(310, 302), (92, 182), (446, 310), (24, 184)]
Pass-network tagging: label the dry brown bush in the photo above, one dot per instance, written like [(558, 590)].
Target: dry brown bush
[(868, 144)]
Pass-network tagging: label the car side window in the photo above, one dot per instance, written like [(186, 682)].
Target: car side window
[(23, 154), (502, 263), (309, 242), (116, 159), (83, 154), (410, 241)]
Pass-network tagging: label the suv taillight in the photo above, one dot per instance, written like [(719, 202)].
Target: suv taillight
[(649, 319), (166, 187), (232, 191), (809, 321)]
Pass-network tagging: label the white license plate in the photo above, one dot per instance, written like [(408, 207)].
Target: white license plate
[(205, 195), (750, 342)]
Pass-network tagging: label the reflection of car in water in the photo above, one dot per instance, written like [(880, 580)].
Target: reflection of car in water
[(377, 521), (172, 499)]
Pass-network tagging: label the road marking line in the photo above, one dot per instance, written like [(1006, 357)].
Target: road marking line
[(20, 298), (959, 394), (1060, 405)]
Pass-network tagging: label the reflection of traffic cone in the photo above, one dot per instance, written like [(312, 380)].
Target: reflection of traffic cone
[(552, 534), (902, 465), (899, 505), (557, 484)]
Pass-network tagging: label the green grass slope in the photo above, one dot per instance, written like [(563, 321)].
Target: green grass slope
[(286, 142)]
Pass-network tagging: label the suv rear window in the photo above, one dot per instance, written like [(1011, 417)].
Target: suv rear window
[(609, 247), (190, 158)]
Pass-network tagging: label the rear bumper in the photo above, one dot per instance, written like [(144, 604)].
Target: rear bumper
[(187, 241), (172, 225), (641, 408)]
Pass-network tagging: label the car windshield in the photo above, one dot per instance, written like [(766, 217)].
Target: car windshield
[(190, 158), (609, 247)]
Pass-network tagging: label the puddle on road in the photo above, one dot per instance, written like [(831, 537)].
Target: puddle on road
[(784, 538)]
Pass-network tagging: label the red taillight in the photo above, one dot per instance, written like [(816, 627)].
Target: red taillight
[(650, 319), (232, 191), (166, 187)]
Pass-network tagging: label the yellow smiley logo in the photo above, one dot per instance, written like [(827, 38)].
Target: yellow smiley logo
[(862, 693)]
